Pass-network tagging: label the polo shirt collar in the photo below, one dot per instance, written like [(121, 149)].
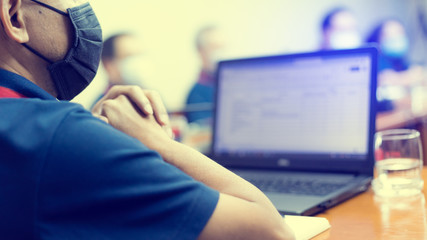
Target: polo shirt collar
[(22, 86)]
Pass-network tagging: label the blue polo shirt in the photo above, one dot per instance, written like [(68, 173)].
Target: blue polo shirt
[(200, 93), (67, 175)]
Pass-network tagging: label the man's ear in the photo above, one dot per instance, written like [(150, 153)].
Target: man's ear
[(12, 19)]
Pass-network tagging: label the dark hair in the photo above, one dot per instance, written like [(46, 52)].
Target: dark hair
[(374, 36), (326, 23), (109, 46)]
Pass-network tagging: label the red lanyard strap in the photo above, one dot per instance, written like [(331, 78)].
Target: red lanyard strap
[(9, 93)]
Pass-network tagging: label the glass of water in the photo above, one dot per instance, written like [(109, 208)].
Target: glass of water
[(398, 163)]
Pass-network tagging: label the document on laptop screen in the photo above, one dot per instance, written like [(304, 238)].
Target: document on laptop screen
[(303, 105)]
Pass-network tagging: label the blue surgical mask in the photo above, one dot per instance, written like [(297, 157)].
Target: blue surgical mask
[(73, 74), (395, 47)]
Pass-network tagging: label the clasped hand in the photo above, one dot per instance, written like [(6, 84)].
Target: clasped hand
[(136, 112)]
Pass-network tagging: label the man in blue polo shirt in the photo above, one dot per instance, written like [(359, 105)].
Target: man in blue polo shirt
[(66, 174)]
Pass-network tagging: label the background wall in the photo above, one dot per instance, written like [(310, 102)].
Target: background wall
[(254, 27)]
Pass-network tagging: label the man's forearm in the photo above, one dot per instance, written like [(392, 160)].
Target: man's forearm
[(217, 177), (210, 173)]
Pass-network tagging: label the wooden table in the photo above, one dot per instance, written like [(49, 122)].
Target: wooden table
[(367, 217)]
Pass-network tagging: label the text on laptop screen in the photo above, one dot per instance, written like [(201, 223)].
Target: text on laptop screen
[(304, 104)]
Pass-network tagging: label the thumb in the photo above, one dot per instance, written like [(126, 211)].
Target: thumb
[(100, 117)]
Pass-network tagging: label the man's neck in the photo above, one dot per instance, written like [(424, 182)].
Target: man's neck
[(36, 72), (206, 77)]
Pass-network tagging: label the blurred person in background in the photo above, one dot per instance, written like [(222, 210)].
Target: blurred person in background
[(210, 45), (397, 76), (393, 43), (126, 62), (340, 30)]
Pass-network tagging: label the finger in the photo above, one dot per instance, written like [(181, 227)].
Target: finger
[(112, 93), (158, 106), (123, 100), (169, 131), (112, 109), (138, 97), (135, 94), (96, 110), (102, 118)]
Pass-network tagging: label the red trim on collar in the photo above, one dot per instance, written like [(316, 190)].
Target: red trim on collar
[(9, 93)]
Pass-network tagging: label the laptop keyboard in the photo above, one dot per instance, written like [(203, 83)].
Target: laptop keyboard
[(296, 186)]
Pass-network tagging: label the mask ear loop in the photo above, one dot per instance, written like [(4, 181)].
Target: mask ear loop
[(37, 53), (51, 8)]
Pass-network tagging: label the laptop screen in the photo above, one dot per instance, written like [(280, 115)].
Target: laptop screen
[(312, 104)]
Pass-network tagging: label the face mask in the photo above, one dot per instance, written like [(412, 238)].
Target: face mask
[(395, 47), (345, 39), (74, 73), (136, 70)]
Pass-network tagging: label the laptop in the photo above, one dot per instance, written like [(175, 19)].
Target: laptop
[(299, 126)]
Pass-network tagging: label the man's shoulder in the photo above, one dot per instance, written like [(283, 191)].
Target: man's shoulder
[(27, 126), (200, 93), (37, 106), (200, 86), (28, 112)]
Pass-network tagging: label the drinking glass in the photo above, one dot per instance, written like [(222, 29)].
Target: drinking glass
[(398, 163)]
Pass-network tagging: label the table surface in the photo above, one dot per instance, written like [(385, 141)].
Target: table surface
[(368, 217)]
